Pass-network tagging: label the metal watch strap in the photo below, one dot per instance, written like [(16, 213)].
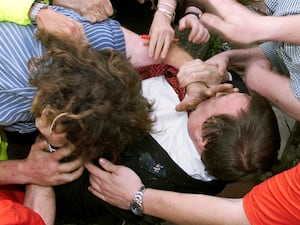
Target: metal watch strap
[(36, 7), (137, 201)]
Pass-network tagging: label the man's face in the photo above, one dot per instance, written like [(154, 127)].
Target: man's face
[(222, 103)]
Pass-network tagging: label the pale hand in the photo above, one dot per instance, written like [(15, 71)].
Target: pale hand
[(199, 33), (115, 184), (162, 34)]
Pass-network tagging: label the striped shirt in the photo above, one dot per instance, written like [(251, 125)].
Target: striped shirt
[(284, 56), (17, 45)]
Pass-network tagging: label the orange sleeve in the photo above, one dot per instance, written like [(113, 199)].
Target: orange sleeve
[(275, 201), (13, 212)]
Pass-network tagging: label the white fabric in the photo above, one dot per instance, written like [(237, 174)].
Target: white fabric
[(170, 129)]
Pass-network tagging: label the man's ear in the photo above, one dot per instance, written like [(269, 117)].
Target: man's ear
[(201, 144)]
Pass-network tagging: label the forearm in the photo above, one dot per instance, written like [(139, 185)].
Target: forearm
[(193, 209), (177, 56), (284, 28), (258, 76), (14, 11), (239, 58), (42, 201), (13, 172)]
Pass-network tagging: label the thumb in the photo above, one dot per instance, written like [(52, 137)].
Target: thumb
[(213, 23), (182, 106)]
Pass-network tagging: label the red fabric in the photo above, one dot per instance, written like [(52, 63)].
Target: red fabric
[(168, 71), (13, 212), (275, 201)]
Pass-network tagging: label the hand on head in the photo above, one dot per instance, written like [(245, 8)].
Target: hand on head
[(114, 184), (46, 169), (198, 92), (202, 81)]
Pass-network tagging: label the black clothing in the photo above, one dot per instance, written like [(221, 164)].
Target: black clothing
[(154, 166), (147, 158), (138, 17)]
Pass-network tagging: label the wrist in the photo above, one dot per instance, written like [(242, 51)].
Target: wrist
[(193, 10), (167, 8), (35, 10), (167, 13), (136, 204)]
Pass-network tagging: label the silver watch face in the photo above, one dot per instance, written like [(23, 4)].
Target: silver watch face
[(136, 209)]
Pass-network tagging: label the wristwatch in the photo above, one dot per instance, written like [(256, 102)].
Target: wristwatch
[(136, 205), (35, 9)]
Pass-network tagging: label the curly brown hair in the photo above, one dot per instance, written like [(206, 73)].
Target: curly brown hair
[(94, 95)]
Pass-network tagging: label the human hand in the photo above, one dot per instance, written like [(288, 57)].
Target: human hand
[(198, 92), (56, 23), (46, 169), (232, 21), (115, 184), (162, 35), (95, 10), (221, 61), (198, 71), (198, 33)]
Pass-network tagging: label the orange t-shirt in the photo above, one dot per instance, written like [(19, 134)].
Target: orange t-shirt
[(13, 212), (276, 200)]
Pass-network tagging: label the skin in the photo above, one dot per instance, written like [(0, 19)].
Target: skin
[(258, 73), (60, 25), (94, 11), (162, 33), (118, 184), (246, 27), (36, 196), (228, 103), (199, 33), (222, 103), (34, 170), (202, 81), (89, 8)]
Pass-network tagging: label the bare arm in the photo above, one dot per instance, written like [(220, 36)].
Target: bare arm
[(42, 201), (237, 24), (236, 59), (137, 51), (118, 184), (40, 167), (191, 209), (260, 77)]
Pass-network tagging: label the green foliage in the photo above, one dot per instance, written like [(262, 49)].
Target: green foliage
[(215, 46)]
